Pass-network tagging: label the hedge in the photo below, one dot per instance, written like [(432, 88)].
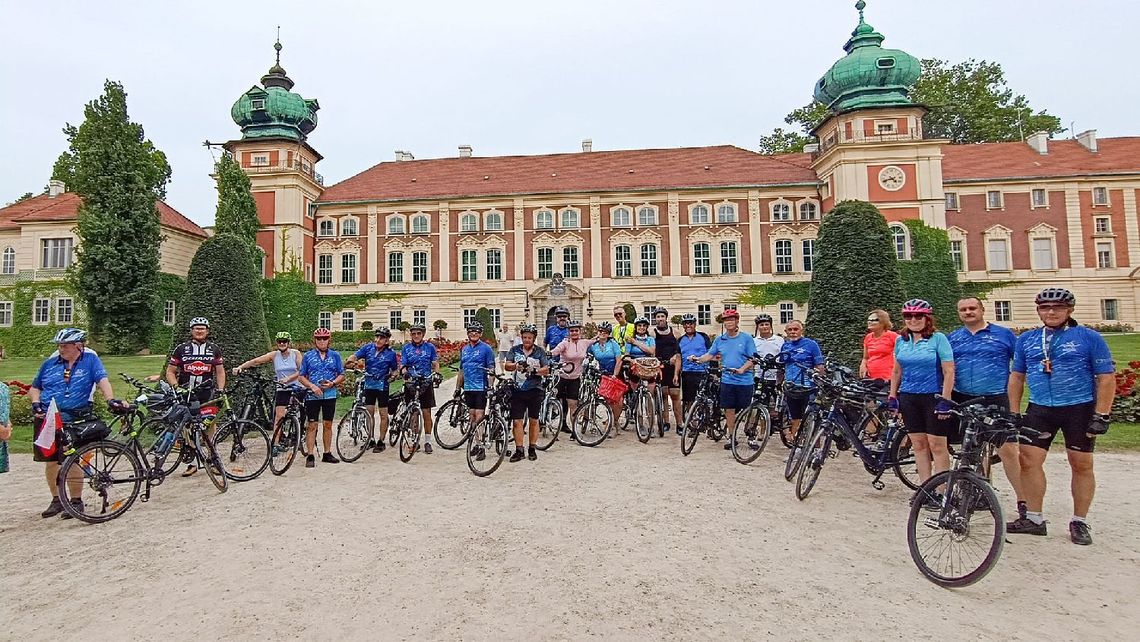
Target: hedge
[(930, 273)]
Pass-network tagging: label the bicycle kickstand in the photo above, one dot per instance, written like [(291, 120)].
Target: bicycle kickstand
[(877, 483)]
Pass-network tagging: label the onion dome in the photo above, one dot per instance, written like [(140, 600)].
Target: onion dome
[(272, 110), (869, 76)]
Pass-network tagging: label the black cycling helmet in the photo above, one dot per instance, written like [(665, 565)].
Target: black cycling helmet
[(561, 311), (1055, 295), (763, 318), (688, 318), (605, 326), (475, 326), (660, 310), (574, 323), (383, 332)]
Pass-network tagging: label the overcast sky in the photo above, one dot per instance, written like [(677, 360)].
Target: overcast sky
[(513, 76)]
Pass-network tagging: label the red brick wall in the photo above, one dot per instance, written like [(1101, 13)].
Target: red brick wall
[(1019, 217), (909, 191), (266, 207)]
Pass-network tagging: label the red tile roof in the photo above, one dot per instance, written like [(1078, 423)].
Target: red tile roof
[(642, 169), (43, 209), (992, 161)]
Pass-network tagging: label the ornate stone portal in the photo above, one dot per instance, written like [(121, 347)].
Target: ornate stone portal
[(546, 298)]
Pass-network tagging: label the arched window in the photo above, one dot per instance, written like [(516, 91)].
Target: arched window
[(726, 213), (621, 217), (420, 224), (544, 220), (647, 215), (899, 238), (396, 225), (699, 215), (469, 222), (781, 212), (494, 222), (9, 266), (348, 227), (809, 211), (568, 218), (326, 227)]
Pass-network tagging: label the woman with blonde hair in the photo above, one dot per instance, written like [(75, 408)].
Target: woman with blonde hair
[(878, 347)]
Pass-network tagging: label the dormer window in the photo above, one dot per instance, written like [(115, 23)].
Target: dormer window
[(258, 104)]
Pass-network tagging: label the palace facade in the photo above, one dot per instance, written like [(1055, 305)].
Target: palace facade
[(690, 228)]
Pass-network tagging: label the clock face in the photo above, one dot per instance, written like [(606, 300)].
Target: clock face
[(892, 178)]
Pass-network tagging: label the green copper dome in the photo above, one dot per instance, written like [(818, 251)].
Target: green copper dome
[(869, 76), (272, 111)]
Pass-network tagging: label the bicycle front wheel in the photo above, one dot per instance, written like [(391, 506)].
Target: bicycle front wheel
[(244, 449), (410, 434), (452, 423), (815, 455), (961, 542), (287, 440), (694, 423), (100, 481), (807, 426), (592, 422), (750, 434), (906, 468), (353, 434), (488, 444), (213, 463), (549, 422)]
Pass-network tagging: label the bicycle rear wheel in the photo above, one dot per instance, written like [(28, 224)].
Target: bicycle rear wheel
[(549, 422), (244, 449), (106, 475), (750, 434), (807, 426), (212, 463), (694, 424), (410, 434), (906, 469), (353, 434), (818, 448), (452, 423), (592, 422), (489, 438), (961, 542), (286, 442)]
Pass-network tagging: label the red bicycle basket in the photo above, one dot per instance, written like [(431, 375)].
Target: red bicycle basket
[(612, 388)]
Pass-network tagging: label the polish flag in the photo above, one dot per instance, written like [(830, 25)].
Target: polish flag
[(53, 423)]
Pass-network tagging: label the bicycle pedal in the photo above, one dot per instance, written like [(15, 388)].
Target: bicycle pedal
[(878, 485)]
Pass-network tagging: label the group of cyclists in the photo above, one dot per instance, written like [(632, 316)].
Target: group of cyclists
[(1067, 368)]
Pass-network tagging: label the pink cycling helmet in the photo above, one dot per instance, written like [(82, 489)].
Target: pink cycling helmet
[(917, 306)]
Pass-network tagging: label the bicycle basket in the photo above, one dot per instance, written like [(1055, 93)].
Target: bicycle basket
[(84, 431), (646, 367), (612, 388)]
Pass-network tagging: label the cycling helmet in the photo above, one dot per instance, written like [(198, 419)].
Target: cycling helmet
[(561, 311), (283, 336), (199, 321), (1055, 295), (574, 323), (730, 314), (660, 310), (688, 318), (322, 333), (383, 332), (528, 327), (917, 306), (763, 318), (475, 326), (605, 326), (70, 335), (417, 326), (641, 321)]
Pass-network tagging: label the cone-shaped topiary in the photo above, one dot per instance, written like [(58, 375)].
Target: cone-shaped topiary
[(929, 273)]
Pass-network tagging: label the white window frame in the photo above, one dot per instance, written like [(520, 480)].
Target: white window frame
[(702, 265), (618, 261), (395, 267), (9, 266), (493, 221), (1033, 253), (169, 308), (347, 223), (960, 253), (348, 320), (6, 314), (469, 316), (395, 318), (704, 314), (726, 213), (321, 270), (569, 218), (468, 222), (729, 257), (899, 230), (259, 159), (808, 253), (813, 215), (396, 225), (326, 228), (650, 261), (990, 204), (1033, 204), (705, 212), (1003, 311), (647, 221), (324, 320), (780, 211), (544, 219), (425, 268), (257, 103), (59, 316), (1097, 220), (996, 234), (569, 262), (494, 267), (780, 258), (496, 317), (468, 270), (1110, 255), (539, 263), (621, 216), (1098, 202), (417, 228), (348, 267), (419, 315), (38, 305), (1115, 316), (55, 251), (787, 312), (951, 201)]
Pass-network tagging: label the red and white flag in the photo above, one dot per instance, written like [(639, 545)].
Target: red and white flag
[(53, 423)]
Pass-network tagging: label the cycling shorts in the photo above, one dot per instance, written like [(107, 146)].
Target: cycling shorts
[(569, 388), (427, 397), (283, 396), (919, 418), (526, 402), (690, 384), (475, 399), (314, 408), (735, 397), (1072, 421), (376, 398)]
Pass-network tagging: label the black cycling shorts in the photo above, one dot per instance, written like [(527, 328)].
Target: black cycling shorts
[(797, 406), (667, 373), (524, 402), (314, 408), (690, 384), (569, 388), (475, 399), (1072, 421), (919, 418), (427, 397), (376, 398), (282, 397)]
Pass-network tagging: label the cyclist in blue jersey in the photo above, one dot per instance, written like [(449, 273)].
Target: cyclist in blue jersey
[(380, 368), (735, 349), (475, 358), (924, 369), (420, 358), (556, 333), (982, 354), (801, 356), (321, 372), (1072, 384), (691, 344), (641, 344), (608, 353)]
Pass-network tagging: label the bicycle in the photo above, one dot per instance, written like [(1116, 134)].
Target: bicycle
[(115, 472), (241, 437), (453, 414), (704, 413), (550, 416), (490, 438), (355, 430), (941, 542), (755, 424), (408, 424), (289, 433), (594, 419), (647, 403)]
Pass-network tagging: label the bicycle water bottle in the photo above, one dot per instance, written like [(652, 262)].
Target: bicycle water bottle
[(162, 447)]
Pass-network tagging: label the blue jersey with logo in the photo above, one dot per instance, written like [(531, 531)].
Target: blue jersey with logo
[(72, 388), (1077, 354), (536, 359), (378, 365), (472, 360), (694, 346), (607, 355), (921, 362), (635, 351), (801, 357), (418, 358), (734, 353), (981, 359), (555, 335), (316, 370)]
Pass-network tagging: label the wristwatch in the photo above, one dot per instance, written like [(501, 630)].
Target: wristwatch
[(1103, 417)]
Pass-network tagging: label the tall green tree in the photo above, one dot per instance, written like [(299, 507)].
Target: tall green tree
[(856, 271), (120, 175), (969, 102), (237, 211), (483, 315), (929, 272), (223, 286)]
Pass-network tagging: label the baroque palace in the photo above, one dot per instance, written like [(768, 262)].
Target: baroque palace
[(690, 228)]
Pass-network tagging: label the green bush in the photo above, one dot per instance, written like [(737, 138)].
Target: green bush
[(483, 315), (290, 305), (930, 273), (630, 312), (856, 271)]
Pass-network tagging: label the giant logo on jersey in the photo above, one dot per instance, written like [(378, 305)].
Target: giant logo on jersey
[(197, 368)]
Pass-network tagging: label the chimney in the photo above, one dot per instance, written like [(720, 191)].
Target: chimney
[(401, 155), (1039, 142), (55, 188), (587, 144), (465, 151), (1087, 139)]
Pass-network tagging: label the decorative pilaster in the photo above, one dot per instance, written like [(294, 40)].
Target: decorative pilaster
[(373, 247), (519, 241), (674, 215), (444, 271), (1131, 227), (1073, 223), (756, 263), (595, 237)]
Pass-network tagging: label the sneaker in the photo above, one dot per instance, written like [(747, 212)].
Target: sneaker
[(310, 461), (1079, 533), (753, 444), (190, 471), (878, 447), (77, 504), (379, 447), (728, 446), (1025, 526), (53, 509), (518, 455), (480, 454), (531, 453), (328, 458), (1022, 508), (679, 430), (662, 429), (427, 447)]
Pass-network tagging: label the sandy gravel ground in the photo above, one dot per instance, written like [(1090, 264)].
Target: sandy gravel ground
[(623, 541)]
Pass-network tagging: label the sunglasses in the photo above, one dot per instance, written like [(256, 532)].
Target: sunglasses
[(909, 316), (872, 320), (282, 341), (321, 339)]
